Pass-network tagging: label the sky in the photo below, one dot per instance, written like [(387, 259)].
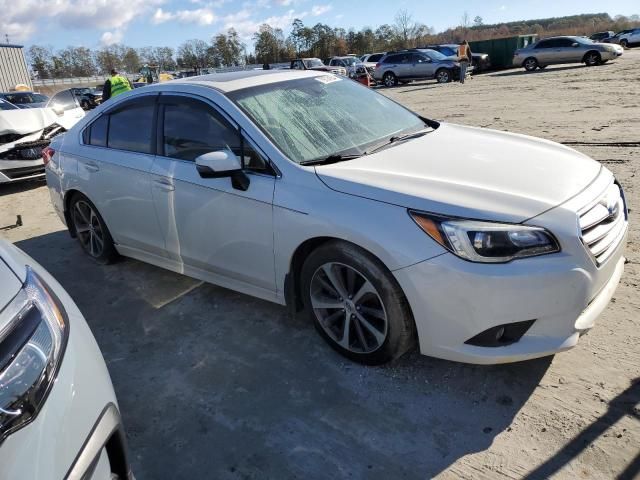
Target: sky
[(138, 23)]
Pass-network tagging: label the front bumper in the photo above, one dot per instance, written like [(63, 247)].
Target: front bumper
[(453, 300), (64, 434), (18, 170)]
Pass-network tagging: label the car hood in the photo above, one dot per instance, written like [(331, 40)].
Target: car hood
[(469, 172), (25, 121)]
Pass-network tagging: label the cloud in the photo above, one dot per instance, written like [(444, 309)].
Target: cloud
[(20, 19), (199, 16), (502, 8), (243, 23), (109, 38), (318, 10)]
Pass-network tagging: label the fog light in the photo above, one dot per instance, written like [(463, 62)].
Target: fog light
[(501, 335)]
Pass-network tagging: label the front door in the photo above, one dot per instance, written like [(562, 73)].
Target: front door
[(208, 224)]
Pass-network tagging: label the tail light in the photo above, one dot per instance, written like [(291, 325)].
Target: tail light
[(47, 153), (378, 65)]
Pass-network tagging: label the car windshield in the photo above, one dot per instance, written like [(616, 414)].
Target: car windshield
[(313, 63), (4, 105), (448, 51), (350, 61), (315, 118), (435, 55), (583, 40)]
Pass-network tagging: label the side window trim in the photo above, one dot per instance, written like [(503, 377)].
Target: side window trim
[(210, 103)]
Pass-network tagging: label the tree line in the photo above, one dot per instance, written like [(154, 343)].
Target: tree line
[(320, 40)]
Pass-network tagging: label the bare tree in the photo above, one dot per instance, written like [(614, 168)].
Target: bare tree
[(465, 20), (405, 27), (478, 21)]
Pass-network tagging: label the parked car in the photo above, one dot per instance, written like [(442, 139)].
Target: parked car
[(555, 50), (87, 98), (370, 59), (600, 36), (23, 135), (305, 189), (415, 65), (67, 105), (316, 65), (25, 99), (59, 416), (479, 61), (626, 38), (353, 65)]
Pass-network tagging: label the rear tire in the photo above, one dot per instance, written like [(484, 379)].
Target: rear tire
[(389, 79), (591, 59), (530, 64), (444, 75), (355, 304), (91, 231)]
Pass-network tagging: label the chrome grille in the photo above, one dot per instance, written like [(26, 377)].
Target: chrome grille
[(604, 223)]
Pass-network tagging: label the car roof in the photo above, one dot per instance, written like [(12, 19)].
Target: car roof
[(230, 81)]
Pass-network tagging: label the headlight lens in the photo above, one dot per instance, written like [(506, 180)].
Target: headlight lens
[(33, 333), (486, 242)]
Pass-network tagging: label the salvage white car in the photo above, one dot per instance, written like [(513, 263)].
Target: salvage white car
[(59, 417), (23, 135), (307, 189)]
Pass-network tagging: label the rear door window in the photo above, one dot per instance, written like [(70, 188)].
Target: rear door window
[(131, 127)]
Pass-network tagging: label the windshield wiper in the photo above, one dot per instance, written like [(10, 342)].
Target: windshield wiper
[(398, 138), (332, 159)]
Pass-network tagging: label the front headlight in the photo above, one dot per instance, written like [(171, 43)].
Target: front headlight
[(486, 242), (33, 332)]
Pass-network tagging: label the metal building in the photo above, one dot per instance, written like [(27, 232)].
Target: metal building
[(13, 68)]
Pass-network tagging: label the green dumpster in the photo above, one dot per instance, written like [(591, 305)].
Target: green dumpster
[(500, 50)]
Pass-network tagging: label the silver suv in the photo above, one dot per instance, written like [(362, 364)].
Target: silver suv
[(554, 50), (415, 65)]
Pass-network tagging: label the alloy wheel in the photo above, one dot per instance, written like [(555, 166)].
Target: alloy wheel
[(348, 308), (389, 80), (593, 59), (88, 228), (443, 76), (530, 64)]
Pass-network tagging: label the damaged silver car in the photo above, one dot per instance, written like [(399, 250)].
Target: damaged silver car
[(23, 135)]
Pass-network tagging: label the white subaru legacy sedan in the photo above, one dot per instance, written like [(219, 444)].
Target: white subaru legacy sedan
[(58, 414), (312, 191)]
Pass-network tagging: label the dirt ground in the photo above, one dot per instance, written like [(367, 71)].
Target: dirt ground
[(215, 384)]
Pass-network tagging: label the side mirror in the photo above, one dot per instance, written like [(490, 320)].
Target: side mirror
[(222, 163), (57, 109), (576, 44)]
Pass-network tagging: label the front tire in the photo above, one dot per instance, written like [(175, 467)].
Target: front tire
[(91, 231), (530, 64), (443, 76), (389, 79), (624, 43), (355, 304), (592, 59)]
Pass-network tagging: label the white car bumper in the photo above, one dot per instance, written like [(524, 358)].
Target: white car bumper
[(553, 299), (80, 415), (18, 170)]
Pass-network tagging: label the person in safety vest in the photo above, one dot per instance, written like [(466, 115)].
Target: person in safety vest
[(116, 85)]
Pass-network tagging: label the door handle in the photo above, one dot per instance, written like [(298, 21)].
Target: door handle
[(90, 166), (165, 185)]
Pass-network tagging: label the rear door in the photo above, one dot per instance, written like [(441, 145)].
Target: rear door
[(71, 112), (113, 170), (208, 223)]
